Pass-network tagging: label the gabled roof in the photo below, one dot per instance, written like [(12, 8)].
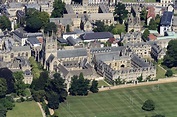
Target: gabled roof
[(166, 18), (96, 35), (21, 48), (33, 40), (72, 53)]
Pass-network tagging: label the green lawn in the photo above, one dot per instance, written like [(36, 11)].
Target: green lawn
[(136, 0), (160, 72), (25, 109), (123, 102), (102, 83)]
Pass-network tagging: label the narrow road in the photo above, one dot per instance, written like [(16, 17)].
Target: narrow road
[(42, 111), (160, 81)]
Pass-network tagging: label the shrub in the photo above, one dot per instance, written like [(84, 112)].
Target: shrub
[(148, 105)]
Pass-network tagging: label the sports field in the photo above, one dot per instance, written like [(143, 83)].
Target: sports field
[(25, 109), (123, 102)]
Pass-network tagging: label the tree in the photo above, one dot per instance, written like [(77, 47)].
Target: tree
[(158, 115), (33, 24), (53, 99), (67, 28), (50, 27), (94, 86), (19, 84), (38, 96), (170, 59), (100, 27), (44, 17), (3, 110), (143, 14), (117, 81), (120, 12), (3, 87), (55, 91), (118, 29), (8, 104), (148, 105), (7, 75), (140, 78), (157, 19), (79, 85), (35, 20), (152, 25), (5, 23), (39, 84), (59, 9), (145, 34), (169, 73)]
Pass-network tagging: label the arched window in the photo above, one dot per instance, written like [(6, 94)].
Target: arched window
[(18, 54), (12, 55), (22, 54), (26, 54)]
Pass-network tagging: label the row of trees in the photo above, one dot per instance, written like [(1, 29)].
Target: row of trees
[(80, 86), (10, 83), (117, 29)]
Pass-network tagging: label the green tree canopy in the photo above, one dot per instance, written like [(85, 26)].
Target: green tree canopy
[(5, 23), (50, 27), (3, 87), (39, 84), (170, 59), (100, 27), (143, 14), (7, 75), (35, 20), (94, 86), (55, 91), (120, 12), (152, 25), (59, 9), (145, 34), (79, 85), (148, 105), (169, 73), (3, 110)]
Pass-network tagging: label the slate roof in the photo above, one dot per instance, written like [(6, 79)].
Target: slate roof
[(110, 56), (21, 48), (61, 40), (166, 18), (71, 40), (50, 59), (139, 61), (19, 34), (96, 35), (33, 40), (72, 53)]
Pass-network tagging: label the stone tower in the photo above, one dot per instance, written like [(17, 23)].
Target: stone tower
[(50, 47)]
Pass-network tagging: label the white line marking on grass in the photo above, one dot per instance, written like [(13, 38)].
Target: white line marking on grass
[(100, 106), (86, 106), (69, 111)]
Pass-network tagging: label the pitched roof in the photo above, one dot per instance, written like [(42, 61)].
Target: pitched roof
[(21, 48), (72, 53), (33, 40), (96, 35), (166, 18)]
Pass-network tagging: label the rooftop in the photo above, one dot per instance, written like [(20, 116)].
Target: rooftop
[(166, 18), (97, 35)]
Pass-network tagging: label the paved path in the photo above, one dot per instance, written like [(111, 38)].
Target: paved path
[(160, 81), (42, 111)]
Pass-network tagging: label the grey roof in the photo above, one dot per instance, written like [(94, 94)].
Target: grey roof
[(107, 49), (139, 61), (110, 56), (69, 9), (33, 40), (19, 34), (166, 18), (63, 21), (175, 20), (50, 59), (96, 35), (21, 48), (21, 13), (104, 8), (71, 41), (72, 53), (61, 40), (63, 70)]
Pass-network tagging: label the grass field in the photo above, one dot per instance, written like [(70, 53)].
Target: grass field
[(25, 109), (123, 102), (102, 83), (160, 72)]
